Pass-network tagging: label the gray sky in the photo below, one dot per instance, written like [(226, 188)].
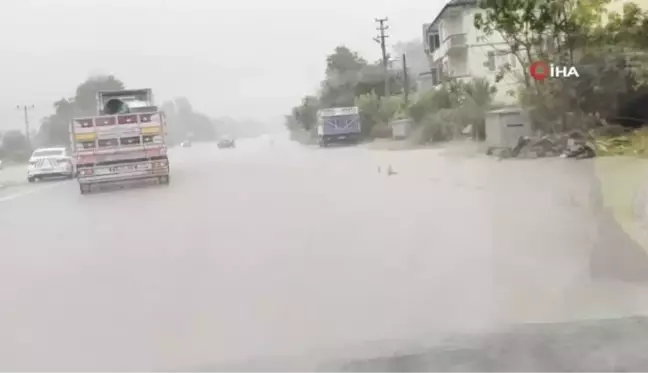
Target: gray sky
[(241, 58)]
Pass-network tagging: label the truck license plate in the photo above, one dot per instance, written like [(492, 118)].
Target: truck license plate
[(122, 168)]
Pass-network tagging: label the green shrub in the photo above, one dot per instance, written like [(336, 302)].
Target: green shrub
[(436, 127)]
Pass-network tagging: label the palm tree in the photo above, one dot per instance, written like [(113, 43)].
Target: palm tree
[(478, 98)]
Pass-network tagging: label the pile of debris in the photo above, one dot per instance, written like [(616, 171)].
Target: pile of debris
[(608, 140), (571, 145)]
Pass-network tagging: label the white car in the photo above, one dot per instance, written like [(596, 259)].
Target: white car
[(50, 162)]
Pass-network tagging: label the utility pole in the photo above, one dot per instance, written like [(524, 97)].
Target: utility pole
[(406, 83), (25, 108), (380, 39)]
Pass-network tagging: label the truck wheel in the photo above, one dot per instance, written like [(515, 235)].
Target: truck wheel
[(85, 188), (164, 180), (30, 179)]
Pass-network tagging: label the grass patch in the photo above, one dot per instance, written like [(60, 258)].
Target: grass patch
[(633, 144), (623, 180)]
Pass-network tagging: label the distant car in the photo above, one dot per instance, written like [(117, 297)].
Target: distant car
[(50, 162), (226, 143), (185, 144), (0, 164)]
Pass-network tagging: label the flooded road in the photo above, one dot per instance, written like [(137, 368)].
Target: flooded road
[(283, 249)]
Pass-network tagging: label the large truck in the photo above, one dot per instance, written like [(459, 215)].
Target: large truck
[(125, 141), (339, 125)]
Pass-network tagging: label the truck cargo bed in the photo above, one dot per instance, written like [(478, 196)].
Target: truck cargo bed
[(114, 148)]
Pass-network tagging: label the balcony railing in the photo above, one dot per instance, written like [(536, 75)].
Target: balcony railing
[(456, 73), (456, 41), (451, 43)]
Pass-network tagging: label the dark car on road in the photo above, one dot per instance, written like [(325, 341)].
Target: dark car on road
[(226, 142)]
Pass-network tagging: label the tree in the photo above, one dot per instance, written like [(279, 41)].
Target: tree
[(343, 68), (444, 113), (478, 97), (15, 146), (183, 122), (521, 23), (306, 113), (349, 81), (175, 130), (343, 60), (377, 112), (371, 79), (85, 99), (609, 54), (54, 129), (624, 36)]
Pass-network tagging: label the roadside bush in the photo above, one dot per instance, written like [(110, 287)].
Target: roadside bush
[(17, 157), (631, 144), (441, 114), (436, 127), (430, 102), (378, 112), (303, 137), (15, 147)]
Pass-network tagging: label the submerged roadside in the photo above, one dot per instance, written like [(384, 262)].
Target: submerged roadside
[(12, 175)]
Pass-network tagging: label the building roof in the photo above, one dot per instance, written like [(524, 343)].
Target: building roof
[(452, 4)]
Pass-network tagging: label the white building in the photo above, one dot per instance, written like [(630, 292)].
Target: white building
[(617, 5), (457, 50)]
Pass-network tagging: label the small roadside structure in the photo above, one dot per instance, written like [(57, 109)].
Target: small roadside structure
[(401, 128), (505, 127)]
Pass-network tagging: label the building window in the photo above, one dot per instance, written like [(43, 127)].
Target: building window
[(434, 42), (502, 59), (499, 59)]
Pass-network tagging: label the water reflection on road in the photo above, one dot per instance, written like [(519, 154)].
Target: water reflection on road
[(277, 248)]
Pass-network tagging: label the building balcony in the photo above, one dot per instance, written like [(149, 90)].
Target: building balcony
[(456, 73), (456, 41), (451, 45)]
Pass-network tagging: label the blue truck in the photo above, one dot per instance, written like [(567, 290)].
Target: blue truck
[(340, 125)]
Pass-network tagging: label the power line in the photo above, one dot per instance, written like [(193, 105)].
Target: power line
[(380, 39)]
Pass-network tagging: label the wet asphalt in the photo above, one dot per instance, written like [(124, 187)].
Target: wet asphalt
[(285, 250)]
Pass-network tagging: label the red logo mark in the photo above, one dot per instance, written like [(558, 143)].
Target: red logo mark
[(539, 70)]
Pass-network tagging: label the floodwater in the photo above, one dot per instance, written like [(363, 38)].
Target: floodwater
[(275, 249)]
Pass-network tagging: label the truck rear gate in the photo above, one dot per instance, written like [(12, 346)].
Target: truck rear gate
[(112, 148), (339, 125)]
